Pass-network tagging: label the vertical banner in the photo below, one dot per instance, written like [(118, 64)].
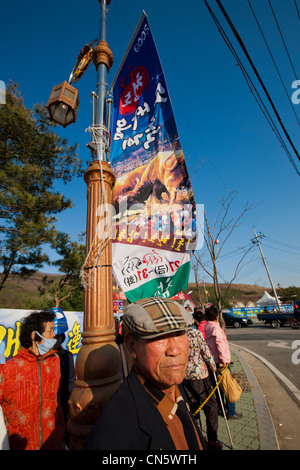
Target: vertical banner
[(154, 219)]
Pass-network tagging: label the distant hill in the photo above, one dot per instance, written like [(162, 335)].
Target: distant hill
[(238, 294), (21, 292)]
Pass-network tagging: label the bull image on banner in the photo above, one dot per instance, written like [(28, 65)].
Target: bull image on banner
[(154, 208)]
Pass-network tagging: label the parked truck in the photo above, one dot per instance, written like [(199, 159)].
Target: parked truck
[(277, 318)]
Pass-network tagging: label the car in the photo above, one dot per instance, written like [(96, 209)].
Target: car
[(236, 321)]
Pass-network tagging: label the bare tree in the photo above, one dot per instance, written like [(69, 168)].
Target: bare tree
[(215, 239), (198, 287)]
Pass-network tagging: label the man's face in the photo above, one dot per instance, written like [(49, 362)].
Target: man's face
[(162, 360)]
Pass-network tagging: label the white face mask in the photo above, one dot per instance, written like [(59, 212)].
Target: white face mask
[(46, 345)]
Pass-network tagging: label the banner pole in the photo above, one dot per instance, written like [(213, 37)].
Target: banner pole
[(127, 51)]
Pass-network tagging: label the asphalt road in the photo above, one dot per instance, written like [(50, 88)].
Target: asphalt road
[(273, 355), (279, 346)]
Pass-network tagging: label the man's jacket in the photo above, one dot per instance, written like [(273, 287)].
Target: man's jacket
[(130, 421), (29, 389)]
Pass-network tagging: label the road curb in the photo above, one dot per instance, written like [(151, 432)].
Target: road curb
[(289, 386), (267, 435)]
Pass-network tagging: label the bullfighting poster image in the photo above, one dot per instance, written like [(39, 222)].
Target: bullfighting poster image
[(154, 215)]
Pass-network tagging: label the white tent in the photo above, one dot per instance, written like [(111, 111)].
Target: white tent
[(266, 299)]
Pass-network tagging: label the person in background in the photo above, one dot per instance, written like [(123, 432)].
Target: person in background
[(218, 345), (29, 388), (67, 367), (149, 410), (119, 335), (200, 319), (198, 387)]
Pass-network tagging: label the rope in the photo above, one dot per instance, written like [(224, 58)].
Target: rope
[(210, 395), (87, 274)]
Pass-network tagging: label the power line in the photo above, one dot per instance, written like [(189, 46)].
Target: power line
[(280, 266), (254, 268), (252, 87), (287, 245), (277, 264), (296, 6), (233, 253), (281, 250), (281, 35), (266, 266), (241, 43), (288, 97)]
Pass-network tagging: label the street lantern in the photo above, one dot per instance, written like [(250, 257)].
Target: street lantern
[(63, 104)]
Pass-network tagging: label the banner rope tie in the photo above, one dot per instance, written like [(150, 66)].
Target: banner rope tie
[(87, 278), (210, 395)]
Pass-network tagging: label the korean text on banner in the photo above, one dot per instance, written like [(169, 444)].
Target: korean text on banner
[(154, 216)]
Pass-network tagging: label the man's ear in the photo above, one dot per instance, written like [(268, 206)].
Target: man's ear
[(130, 344)]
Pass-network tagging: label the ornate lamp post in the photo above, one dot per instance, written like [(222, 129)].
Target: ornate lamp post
[(98, 361)]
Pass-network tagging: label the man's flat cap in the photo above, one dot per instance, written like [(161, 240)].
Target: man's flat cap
[(154, 317)]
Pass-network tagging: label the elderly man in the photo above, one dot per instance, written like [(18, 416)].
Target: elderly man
[(29, 388), (148, 411)]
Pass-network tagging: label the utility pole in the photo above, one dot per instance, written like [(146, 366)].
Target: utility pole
[(267, 269)]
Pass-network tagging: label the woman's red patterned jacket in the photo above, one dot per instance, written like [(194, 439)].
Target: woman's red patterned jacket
[(29, 395)]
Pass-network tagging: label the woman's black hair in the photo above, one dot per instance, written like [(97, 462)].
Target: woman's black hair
[(198, 315), (36, 321), (211, 313)]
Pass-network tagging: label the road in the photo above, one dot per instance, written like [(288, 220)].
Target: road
[(278, 346), (272, 348)]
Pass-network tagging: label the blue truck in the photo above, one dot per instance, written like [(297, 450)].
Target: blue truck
[(276, 318)]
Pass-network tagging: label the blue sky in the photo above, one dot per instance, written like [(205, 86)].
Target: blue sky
[(227, 141)]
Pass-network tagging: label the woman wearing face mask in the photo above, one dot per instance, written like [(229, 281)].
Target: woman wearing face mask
[(29, 388)]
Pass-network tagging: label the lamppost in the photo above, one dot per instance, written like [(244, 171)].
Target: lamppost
[(98, 361)]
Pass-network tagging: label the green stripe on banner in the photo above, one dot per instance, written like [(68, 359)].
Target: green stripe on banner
[(162, 287)]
